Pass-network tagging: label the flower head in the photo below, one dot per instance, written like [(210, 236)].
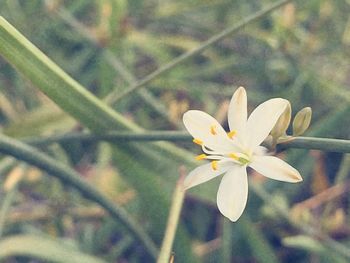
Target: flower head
[(232, 152)]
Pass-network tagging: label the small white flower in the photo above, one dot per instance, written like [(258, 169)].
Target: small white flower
[(232, 152)]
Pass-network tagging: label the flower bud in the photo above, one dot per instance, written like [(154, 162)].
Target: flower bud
[(302, 121), (282, 123)]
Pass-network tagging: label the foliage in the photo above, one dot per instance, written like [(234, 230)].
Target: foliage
[(299, 52)]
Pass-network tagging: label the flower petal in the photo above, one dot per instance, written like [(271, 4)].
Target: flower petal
[(237, 111), (205, 128), (263, 119), (205, 173), (233, 193), (260, 150), (275, 168)]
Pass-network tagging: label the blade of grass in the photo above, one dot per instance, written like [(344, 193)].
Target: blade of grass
[(116, 96), (52, 167), (259, 246), (110, 57), (65, 91), (44, 248), (154, 195), (55, 83), (227, 240), (173, 219), (78, 102)]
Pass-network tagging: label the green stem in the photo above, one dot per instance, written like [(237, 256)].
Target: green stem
[(116, 96), (32, 156), (312, 143), (323, 144), (173, 220), (227, 240)]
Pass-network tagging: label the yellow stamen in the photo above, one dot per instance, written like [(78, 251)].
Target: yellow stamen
[(231, 134), (198, 141), (233, 156), (201, 157), (214, 165), (213, 129)]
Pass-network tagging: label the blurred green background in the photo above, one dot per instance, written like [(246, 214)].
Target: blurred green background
[(300, 52)]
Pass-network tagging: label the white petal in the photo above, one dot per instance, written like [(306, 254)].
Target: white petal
[(233, 193), (275, 168), (237, 111), (260, 150), (199, 125), (205, 173), (263, 119)]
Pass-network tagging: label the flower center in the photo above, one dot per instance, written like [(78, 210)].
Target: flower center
[(240, 158)]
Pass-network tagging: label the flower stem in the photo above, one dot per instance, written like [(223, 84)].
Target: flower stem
[(324, 144), (174, 214)]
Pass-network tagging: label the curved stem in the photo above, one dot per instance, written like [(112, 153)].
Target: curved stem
[(32, 156)]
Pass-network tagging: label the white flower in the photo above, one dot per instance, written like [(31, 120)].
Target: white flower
[(232, 152)]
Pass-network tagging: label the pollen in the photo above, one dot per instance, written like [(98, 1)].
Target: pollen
[(232, 134), (201, 157), (198, 141), (213, 129), (214, 165), (233, 156)]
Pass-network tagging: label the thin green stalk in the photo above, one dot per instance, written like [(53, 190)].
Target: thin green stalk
[(111, 58), (312, 143), (258, 243), (323, 144), (173, 220), (32, 156), (116, 96), (227, 240)]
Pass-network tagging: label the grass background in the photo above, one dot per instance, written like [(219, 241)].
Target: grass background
[(300, 52)]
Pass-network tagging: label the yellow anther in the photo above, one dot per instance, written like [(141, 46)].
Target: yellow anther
[(198, 141), (213, 129), (233, 156), (231, 134), (201, 157), (214, 165)]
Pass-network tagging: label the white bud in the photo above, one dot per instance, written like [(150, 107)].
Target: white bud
[(302, 121)]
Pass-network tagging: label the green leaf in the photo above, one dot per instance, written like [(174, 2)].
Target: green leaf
[(56, 84), (65, 174), (304, 242), (259, 245), (315, 246), (43, 248)]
